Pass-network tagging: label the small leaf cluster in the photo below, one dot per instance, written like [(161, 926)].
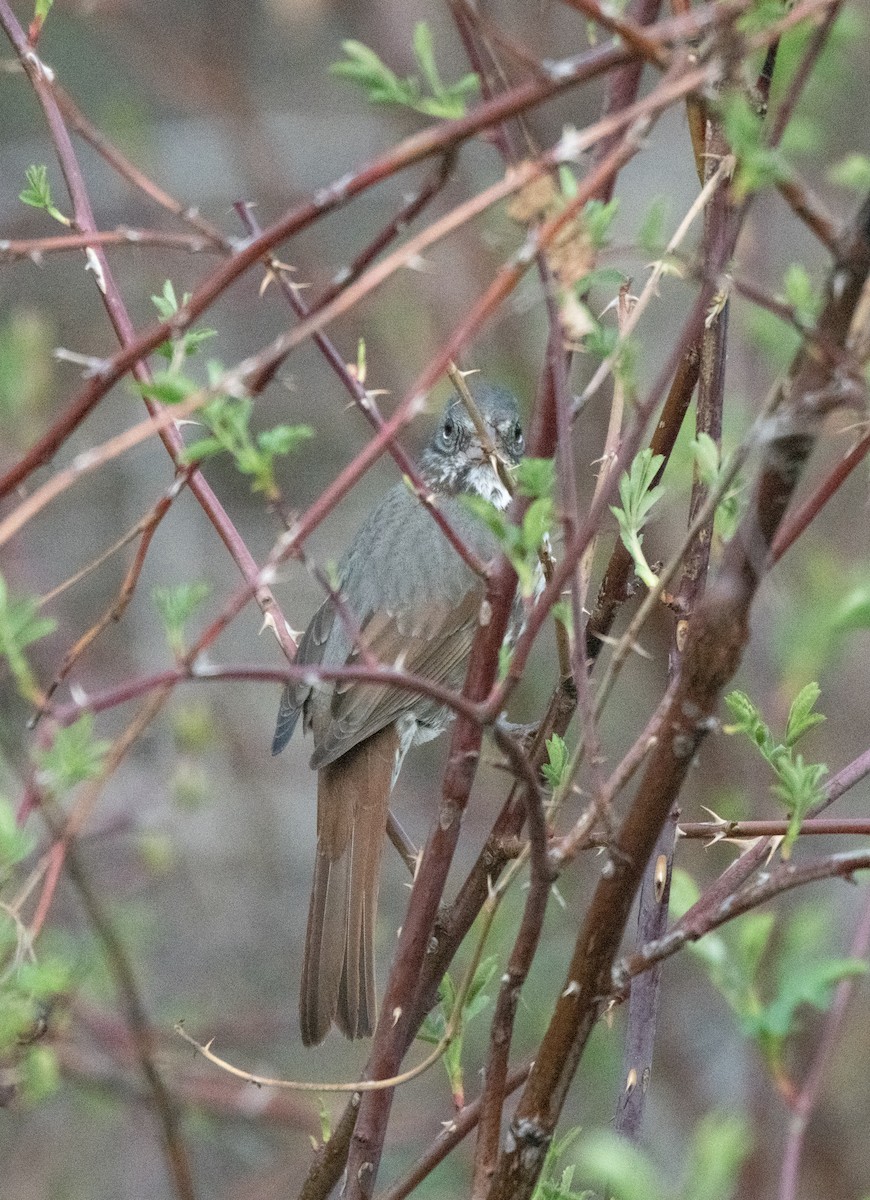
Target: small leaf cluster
[(436, 1024), (187, 343), (638, 495), (799, 784), (758, 165), (556, 765), (228, 421), (795, 977), (20, 626), (383, 86), (74, 756), (176, 605), (27, 988), (708, 461), (227, 418), (520, 543), (799, 292), (38, 193)]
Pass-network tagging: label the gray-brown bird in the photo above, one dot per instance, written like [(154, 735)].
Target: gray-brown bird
[(415, 602)]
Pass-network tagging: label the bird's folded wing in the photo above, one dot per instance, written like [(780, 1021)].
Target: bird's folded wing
[(432, 640)]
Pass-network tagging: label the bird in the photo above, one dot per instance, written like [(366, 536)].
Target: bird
[(410, 599)]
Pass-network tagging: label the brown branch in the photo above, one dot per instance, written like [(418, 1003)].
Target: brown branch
[(435, 140), (438, 139), (806, 205), (35, 248), (363, 399), (801, 517), (42, 83), (735, 831), (717, 636), (397, 1007), (96, 139), (784, 878), (460, 1125), (495, 1088), (615, 586), (147, 527)]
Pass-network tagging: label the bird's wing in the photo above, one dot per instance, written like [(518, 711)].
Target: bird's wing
[(433, 641), (416, 603), (294, 695)]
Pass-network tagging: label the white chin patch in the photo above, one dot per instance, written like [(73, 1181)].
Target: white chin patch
[(483, 481)]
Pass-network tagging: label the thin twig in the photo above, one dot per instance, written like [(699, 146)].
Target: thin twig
[(805, 1102)]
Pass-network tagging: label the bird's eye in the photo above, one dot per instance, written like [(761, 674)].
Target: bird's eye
[(519, 440), (448, 431)]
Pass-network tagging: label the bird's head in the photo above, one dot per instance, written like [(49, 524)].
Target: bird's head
[(476, 456)]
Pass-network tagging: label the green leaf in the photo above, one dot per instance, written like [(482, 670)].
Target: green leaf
[(801, 717), (536, 477), (853, 171), (15, 842), (798, 784), (382, 86), (40, 1074), (720, 1145), (38, 193), (709, 465), (435, 1026), (651, 234), (810, 986), (20, 626), (186, 344), (167, 303), (618, 1168), (169, 387), (425, 54), (800, 294), (758, 165), (748, 720), (283, 439), (204, 448), (176, 606), (537, 524), (638, 495), (74, 756), (853, 612), (598, 217), (602, 277), (42, 9), (554, 768), (554, 1186)]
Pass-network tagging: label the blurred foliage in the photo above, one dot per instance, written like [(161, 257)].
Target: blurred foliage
[(768, 973), (436, 1024), (26, 372), (20, 627), (622, 1170)]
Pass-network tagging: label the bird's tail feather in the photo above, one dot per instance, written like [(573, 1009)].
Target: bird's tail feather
[(338, 978)]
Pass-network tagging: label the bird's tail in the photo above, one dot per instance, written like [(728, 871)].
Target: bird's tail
[(338, 974)]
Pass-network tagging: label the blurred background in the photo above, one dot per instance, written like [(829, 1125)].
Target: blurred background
[(202, 843)]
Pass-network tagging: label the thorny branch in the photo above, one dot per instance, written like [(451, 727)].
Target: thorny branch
[(715, 635)]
